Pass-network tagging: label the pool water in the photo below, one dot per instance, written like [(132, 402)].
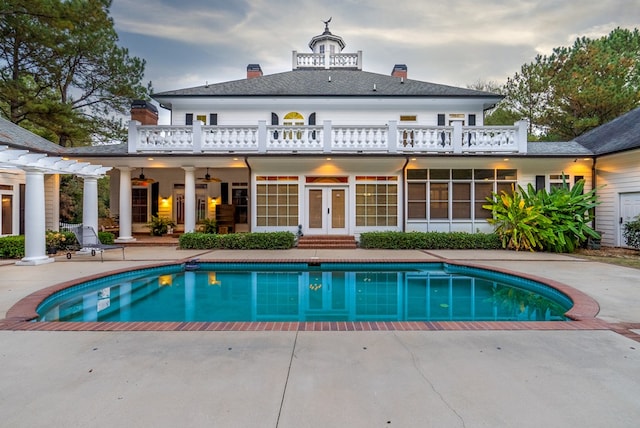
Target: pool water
[(298, 292)]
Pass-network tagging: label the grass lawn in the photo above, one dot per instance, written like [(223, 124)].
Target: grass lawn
[(615, 256)]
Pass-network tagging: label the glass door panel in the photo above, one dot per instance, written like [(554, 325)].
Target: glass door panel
[(338, 208), (316, 211)]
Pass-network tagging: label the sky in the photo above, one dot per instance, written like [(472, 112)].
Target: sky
[(190, 43)]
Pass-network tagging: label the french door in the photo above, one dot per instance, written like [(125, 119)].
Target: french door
[(327, 210)]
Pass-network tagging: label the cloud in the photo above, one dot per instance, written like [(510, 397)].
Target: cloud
[(188, 42)]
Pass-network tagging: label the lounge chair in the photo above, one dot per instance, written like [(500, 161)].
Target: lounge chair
[(88, 240)]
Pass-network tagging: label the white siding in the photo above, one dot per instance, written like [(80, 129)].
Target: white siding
[(52, 201), (619, 173), (358, 111)]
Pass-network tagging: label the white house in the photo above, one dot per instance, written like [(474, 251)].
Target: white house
[(332, 149)]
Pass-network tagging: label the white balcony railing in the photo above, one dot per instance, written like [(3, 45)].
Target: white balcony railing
[(328, 138), (327, 60)]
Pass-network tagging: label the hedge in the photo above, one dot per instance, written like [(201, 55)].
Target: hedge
[(12, 247), (430, 240), (237, 241)]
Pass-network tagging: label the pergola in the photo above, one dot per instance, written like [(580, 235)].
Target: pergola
[(35, 166)]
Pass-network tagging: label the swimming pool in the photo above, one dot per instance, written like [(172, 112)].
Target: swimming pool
[(302, 292)]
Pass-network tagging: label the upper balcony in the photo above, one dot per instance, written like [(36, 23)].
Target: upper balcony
[(392, 138)]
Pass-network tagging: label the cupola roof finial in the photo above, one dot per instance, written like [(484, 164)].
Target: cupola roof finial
[(326, 25)]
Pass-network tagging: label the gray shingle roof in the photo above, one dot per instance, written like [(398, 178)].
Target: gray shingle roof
[(103, 149), (17, 137), (314, 82), (621, 134), (563, 148)]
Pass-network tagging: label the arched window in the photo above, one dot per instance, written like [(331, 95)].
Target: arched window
[(293, 119)]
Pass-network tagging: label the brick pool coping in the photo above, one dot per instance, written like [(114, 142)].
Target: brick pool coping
[(583, 313)]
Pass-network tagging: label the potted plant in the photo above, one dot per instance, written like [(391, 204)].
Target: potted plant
[(208, 225), (54, 241), (160, 225)]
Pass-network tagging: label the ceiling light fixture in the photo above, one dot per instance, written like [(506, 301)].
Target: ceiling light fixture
[(141, 179)]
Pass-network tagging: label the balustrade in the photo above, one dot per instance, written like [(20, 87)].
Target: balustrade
[(328, 138)]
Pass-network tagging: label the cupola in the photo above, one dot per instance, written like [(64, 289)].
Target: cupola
[(327, 42), (327, 53)]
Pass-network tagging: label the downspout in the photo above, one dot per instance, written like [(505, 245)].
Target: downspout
[(249, 197), (404, 194)]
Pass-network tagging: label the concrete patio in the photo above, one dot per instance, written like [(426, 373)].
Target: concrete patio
[(586, 378)]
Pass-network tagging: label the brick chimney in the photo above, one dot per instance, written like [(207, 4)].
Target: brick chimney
[(399, 70), (253, 70), (144, 112)]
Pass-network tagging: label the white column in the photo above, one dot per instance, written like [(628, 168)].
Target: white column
[(189, 199), (521, 133), (90, 203), (125, 205), (34, 221)]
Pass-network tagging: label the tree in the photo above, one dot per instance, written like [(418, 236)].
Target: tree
[(498, 115), (527, 94), (593, 82), (63, 75), (577, 88)]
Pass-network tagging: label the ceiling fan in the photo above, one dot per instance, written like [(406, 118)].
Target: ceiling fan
[(141, 179), (209, 179)]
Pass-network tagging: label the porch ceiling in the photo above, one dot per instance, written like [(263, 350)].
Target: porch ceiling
[(169, 161)]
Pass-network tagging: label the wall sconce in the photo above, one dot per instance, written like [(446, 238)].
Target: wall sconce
[(164, 200)]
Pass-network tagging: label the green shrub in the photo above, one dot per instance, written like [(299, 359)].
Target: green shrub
[(106, 238), (632, 233), (237, 241), (520, 223), (555, 221), (429, 240), (158, 226), (570, 210), (12, 247), (208, 225)]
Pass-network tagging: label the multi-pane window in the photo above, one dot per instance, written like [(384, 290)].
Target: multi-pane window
[(454, 194), (376, 201), (277, 201), (558, 180), (139, 205)]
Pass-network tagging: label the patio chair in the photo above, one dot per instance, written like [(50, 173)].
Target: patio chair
[(88, 240)]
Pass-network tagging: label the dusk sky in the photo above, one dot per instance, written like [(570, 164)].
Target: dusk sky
[(458, 42)]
